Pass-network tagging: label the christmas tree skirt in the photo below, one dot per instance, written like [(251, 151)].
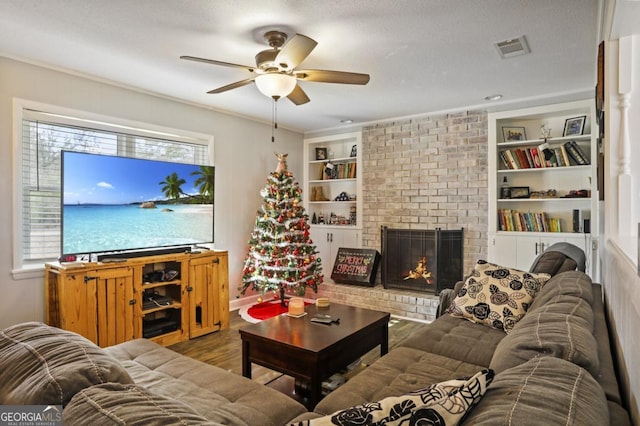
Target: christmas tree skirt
[(265, 310)]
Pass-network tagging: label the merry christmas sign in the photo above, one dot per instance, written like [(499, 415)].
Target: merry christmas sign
[(356, 266)]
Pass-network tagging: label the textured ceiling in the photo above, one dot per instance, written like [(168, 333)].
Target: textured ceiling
[(422, 55)]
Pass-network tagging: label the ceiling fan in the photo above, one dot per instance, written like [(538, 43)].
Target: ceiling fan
[(275, 72)]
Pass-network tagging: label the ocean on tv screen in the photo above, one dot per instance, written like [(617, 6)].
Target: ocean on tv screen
[(99, 228)]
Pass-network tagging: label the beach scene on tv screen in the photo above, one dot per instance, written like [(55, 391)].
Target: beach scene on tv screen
[(117, 203)]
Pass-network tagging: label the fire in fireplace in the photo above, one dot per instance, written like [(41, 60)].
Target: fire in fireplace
[(421, 259)]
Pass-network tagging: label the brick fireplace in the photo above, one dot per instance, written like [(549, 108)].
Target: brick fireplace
[(429, 171)]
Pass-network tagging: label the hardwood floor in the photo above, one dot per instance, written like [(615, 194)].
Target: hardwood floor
[(224, 348)]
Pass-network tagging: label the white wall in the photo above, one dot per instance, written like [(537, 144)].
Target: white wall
[(244, 156)]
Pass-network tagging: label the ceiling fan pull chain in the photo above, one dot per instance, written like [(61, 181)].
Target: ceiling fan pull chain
[(274, 118)]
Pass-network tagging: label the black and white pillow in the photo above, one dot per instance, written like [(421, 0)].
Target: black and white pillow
[(443, 404), (496, 295)]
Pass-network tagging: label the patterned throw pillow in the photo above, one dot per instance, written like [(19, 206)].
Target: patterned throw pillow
[(443, 404), (497, 296)]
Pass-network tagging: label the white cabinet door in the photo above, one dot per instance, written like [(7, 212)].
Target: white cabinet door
[(521, 250), (529, 247), (329, 240), (502, 250)]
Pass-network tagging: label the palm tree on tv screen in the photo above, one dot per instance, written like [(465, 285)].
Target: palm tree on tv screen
[(172, 186), (205, 182)]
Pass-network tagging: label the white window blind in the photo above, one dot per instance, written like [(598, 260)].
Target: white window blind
[(44, 136)]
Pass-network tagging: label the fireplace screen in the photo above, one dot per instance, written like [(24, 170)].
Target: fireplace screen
[(421, 259)]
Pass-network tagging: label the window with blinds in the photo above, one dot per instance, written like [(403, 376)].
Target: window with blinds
[(43, 139)]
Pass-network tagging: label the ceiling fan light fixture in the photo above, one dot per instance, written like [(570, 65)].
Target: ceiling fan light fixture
[(275, 85)]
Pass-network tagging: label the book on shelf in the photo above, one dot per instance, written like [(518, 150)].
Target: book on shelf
[(564, 155), (513, 220), (576, 153), (331, 171)]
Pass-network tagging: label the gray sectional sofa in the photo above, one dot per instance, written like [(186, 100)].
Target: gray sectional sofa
[(553, 367), (136, 382)]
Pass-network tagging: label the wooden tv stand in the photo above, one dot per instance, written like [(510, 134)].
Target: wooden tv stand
[(186, 295)]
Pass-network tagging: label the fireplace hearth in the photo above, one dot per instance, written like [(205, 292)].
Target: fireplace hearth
[(421, 259)]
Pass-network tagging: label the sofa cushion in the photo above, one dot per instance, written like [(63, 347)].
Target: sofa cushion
[(573, 283), (216, 394), (561, 328), (496, 295), (456, 338), (443, 403), (544, 390), (118, 404), (40, 364), (400, 371)]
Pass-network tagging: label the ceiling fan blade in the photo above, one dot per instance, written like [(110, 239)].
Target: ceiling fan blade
[(298, 96), (325, 76), (232, 86), (211, 61), (295, 51)]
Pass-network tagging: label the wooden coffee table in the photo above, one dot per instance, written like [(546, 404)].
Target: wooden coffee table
[(310, 351)]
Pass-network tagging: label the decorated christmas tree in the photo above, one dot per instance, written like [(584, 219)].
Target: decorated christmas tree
[(281, 255)]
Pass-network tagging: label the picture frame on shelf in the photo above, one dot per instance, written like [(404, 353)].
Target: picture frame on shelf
[(574, 126), (513, 134), (519, 192), (321, 153)]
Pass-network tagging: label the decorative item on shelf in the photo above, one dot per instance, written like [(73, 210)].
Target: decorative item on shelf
[(519, 192), (321, 153), (317, 194), (330, 171), (578, 193), (354, 151), (574, 126), (549, 193), (342, 197), (352, 215), (545, 132), (512, 134), (505, 189), (321, 219)]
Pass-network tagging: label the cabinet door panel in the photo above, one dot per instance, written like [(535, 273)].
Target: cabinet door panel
[(204, 297), (114, 291), (320, 238), (77, 304), (502, 250)]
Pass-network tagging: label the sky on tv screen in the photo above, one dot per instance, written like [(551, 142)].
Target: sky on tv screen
[(101, 179)]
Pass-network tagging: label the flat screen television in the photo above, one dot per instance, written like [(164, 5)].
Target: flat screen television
[(116, 204)]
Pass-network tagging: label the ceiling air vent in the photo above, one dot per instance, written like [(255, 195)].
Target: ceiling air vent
[(513, 47)]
